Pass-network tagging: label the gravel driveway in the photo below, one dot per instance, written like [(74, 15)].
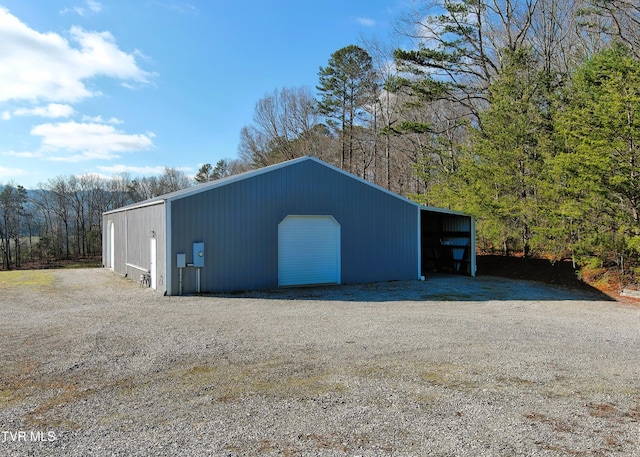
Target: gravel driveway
[(91, 364)]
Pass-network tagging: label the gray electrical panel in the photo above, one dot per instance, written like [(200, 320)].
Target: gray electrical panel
[(181, 260), (198, 255)]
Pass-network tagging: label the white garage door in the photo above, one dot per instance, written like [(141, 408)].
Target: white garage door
[(308, 250)]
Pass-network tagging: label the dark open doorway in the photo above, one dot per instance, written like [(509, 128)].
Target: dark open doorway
[(447, 243)]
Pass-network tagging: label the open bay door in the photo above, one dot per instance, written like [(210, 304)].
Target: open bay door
[(448, 242), (308, 250)]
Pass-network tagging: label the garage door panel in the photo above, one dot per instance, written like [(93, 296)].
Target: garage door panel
[(308, 250)]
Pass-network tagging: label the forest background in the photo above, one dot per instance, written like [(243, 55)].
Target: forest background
[(524, 113)]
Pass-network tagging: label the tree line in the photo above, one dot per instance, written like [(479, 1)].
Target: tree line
[(62, 219), (523, 113), (541, 139)]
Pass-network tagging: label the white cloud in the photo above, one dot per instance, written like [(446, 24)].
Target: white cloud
[(10, 173), (53, 110), (47, 66), (88, 141), (92, 7), (5, 116), (117, 169), (185, 8), (84, 156), (100, 119), (367, 22), (24, 155)]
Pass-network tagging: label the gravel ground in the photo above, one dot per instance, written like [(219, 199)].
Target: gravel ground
[(92, 364)]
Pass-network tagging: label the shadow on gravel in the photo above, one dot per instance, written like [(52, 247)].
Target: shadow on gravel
[(437, 287)]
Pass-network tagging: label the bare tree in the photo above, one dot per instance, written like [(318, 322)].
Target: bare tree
[(97, 201), (172, 180), (117, 191), (459, 47), (148, 187), (12, 201), (617, 19), (283, 128), (384, 112), (61, 207)]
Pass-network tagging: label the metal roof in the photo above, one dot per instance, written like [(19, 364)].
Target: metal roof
[(204, 187)]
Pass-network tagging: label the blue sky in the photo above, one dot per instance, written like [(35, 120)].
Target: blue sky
[(105, 87)]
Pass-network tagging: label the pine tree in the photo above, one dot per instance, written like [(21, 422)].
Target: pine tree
[(346, 85), (600, 129), (512, 152)]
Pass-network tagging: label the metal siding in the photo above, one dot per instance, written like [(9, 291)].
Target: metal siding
[(238, 223), (132, 245), (456, 224), (234, 225), (118, 220), (105, 223)]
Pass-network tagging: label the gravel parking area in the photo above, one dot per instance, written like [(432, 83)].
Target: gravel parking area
[(92, 364)]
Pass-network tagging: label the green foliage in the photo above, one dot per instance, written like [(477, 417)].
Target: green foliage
[(599, 166), (502, 179), (549, 167), (204, 173), (208, 173), (347, 85), (453, 59), (513, 148)]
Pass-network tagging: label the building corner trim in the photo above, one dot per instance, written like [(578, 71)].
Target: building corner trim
[(168, 265), (419, 243)]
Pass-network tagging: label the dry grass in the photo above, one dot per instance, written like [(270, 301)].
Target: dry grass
[(26, 278), (271, 378), (48, 396), (8, 397), (556, 424), (614, 412), (448, 376)]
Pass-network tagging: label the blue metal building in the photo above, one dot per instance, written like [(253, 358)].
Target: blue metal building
[(299, 222)]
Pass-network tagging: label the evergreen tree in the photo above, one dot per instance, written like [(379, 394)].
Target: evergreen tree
[(512, 153), (347, 85), (600, 167), (204, 173)]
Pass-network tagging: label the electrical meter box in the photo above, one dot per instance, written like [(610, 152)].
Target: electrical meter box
[(198, 255), (181, 260)]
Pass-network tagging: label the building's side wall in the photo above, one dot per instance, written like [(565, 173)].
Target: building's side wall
[(133, 231), (238, 223), (119, 222)]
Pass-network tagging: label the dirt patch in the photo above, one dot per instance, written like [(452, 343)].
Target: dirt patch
[(560, 273)]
